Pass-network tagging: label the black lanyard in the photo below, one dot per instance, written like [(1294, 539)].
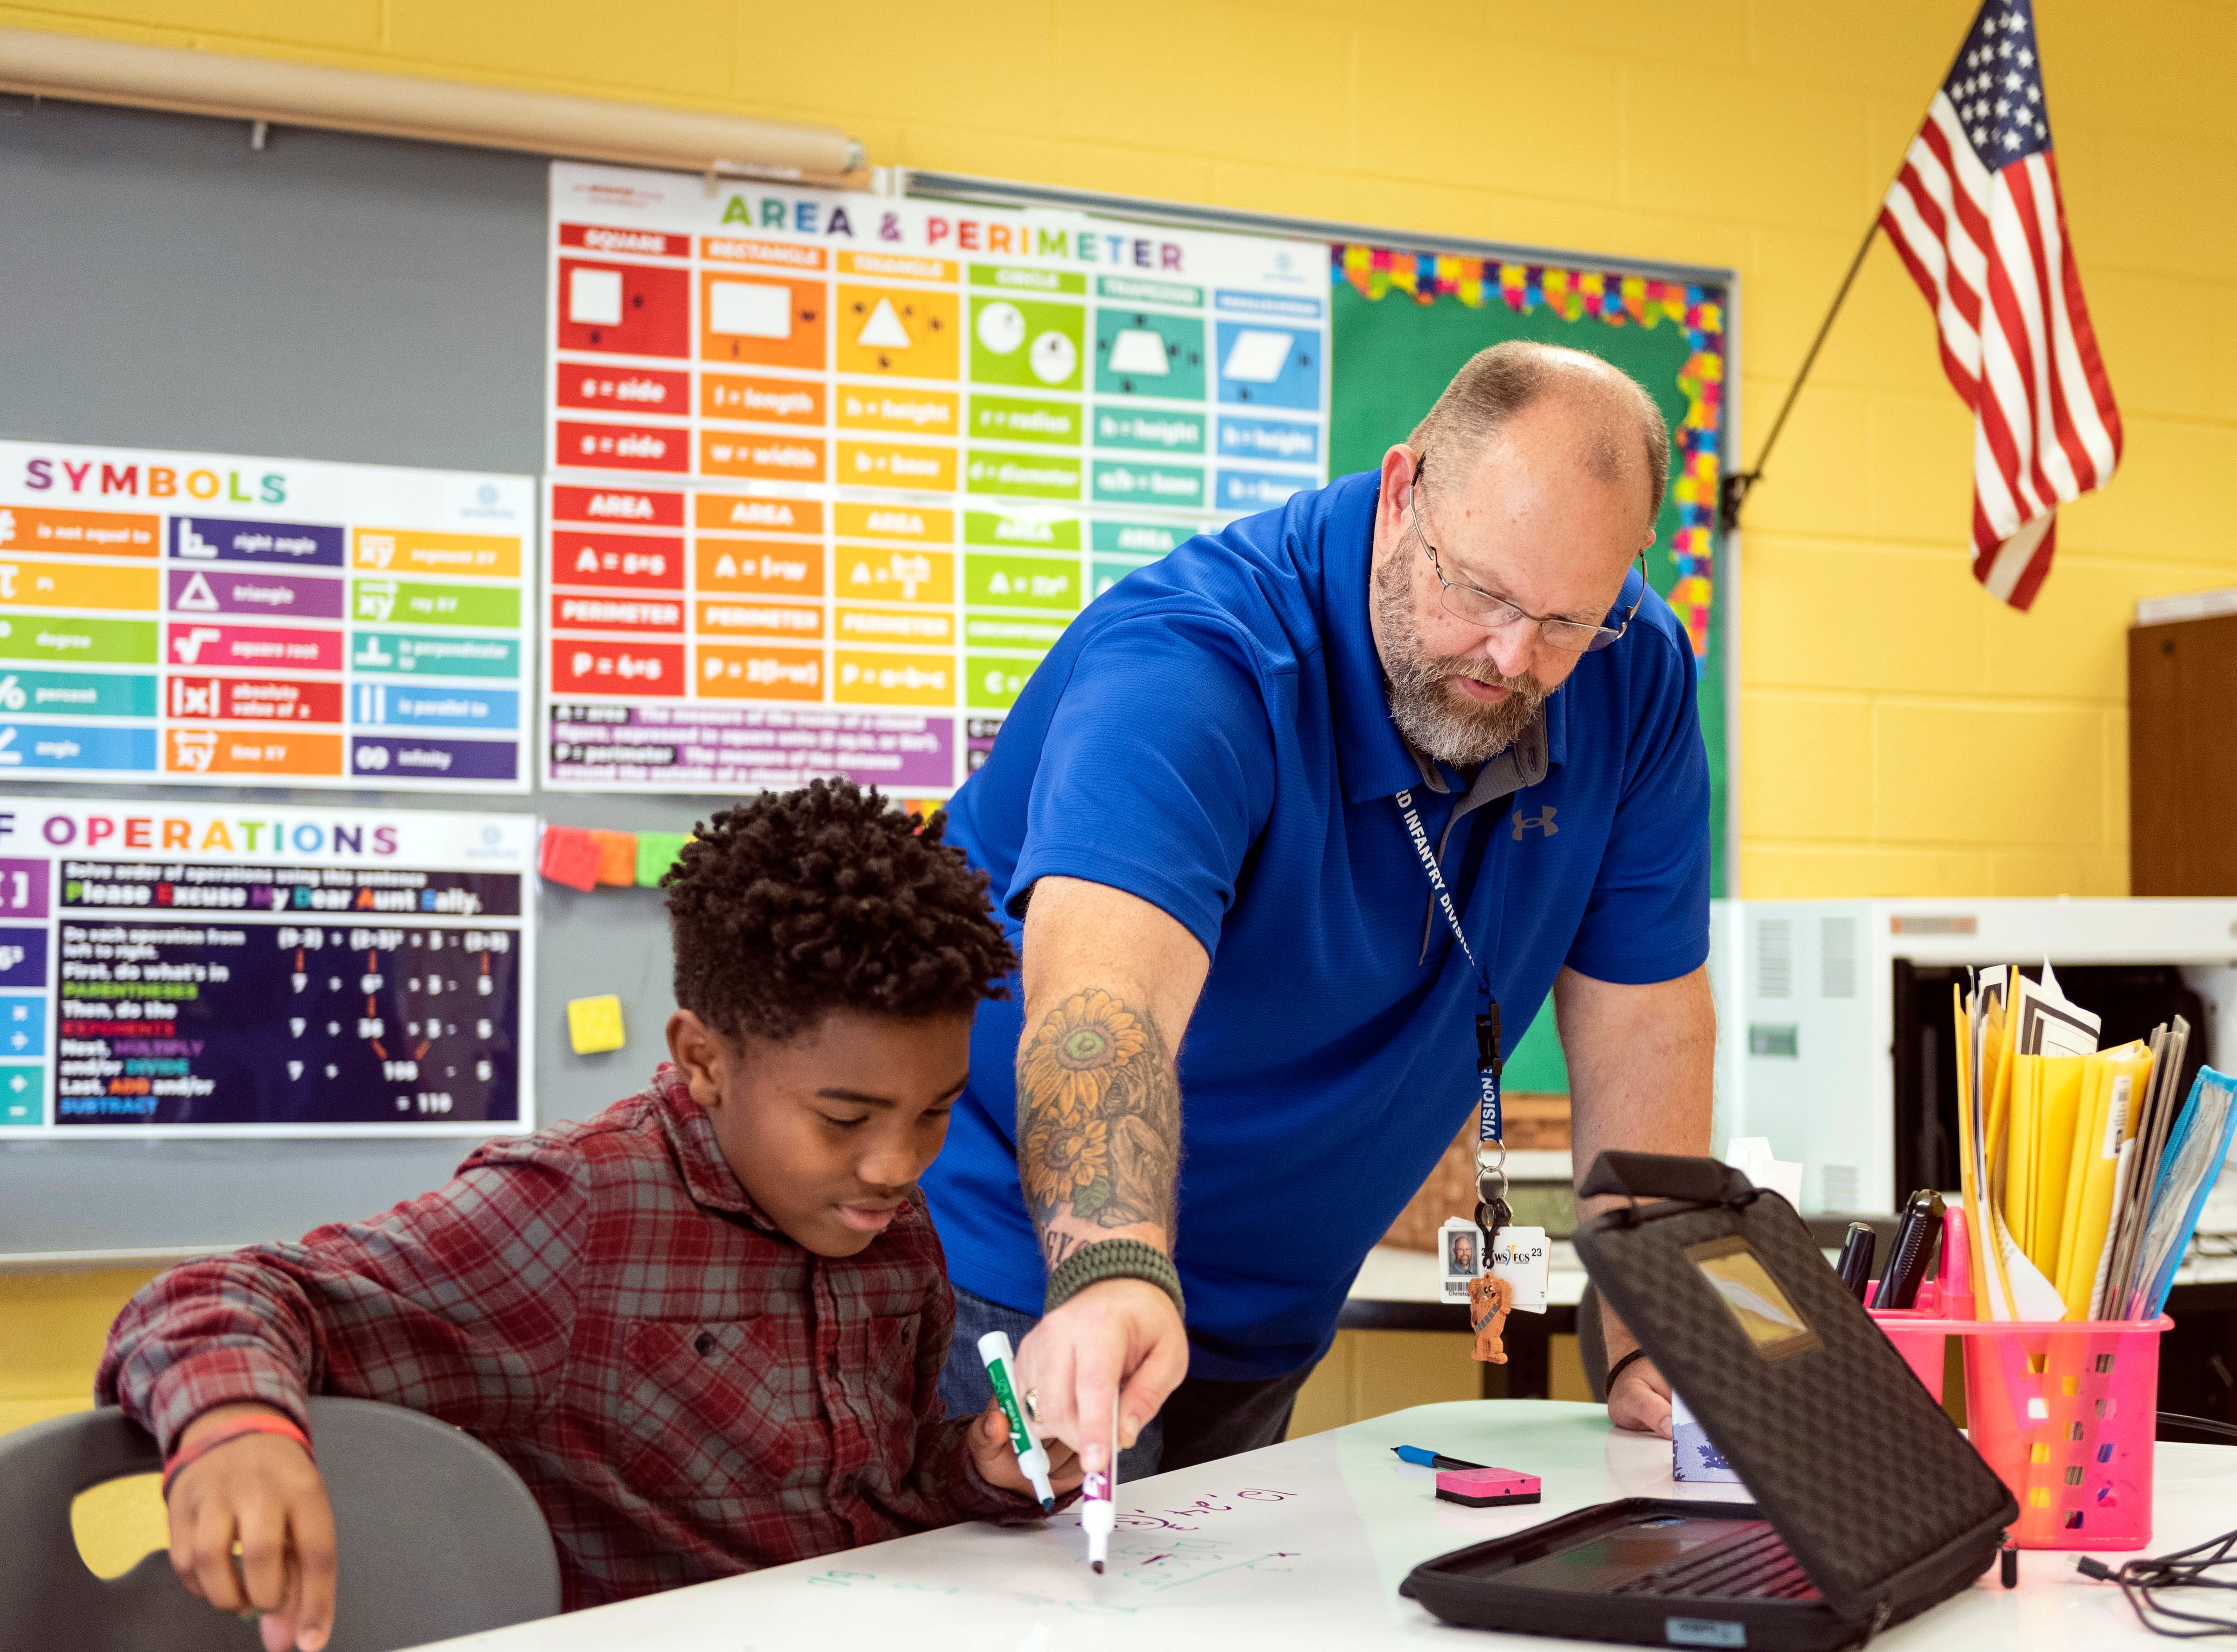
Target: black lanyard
[(1492, 1206)]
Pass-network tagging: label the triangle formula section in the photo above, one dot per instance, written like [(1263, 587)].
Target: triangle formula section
[(884, 328)]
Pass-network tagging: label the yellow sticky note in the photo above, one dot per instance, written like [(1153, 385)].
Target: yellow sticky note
[(594, 1025)]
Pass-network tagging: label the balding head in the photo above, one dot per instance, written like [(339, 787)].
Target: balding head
[(1503, 537), (1615, 429)]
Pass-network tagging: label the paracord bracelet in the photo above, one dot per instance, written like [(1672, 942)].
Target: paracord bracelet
[(1114, 1259), (1621, 1365), (241, 1428)]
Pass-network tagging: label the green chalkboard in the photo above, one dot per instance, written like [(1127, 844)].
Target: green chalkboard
[(1391, 355)]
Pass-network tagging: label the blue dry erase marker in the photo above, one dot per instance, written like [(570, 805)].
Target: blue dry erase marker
[(1430, 1460), (1032, 1456)]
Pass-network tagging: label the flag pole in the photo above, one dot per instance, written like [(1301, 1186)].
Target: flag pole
[(1734, 490)]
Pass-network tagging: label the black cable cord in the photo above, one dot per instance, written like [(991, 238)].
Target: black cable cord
[(2202, 1424), (2141, 1579)]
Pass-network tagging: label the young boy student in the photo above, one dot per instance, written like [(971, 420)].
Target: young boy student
[(706, 1326)]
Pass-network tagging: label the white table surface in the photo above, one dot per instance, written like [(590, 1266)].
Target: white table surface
[(1300, 1546)]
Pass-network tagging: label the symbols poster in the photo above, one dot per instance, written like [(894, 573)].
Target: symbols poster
[(203, 618), (831, 472), (186, 969)]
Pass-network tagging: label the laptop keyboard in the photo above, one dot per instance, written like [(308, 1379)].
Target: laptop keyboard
[(1756, 1567)]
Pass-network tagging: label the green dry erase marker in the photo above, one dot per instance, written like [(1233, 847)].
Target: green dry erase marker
[(1032, 1456)]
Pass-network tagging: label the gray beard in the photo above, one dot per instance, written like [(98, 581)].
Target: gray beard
[(1428, 709)]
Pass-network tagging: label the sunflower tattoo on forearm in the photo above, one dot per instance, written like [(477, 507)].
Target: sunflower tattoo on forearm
[(1098, 1115)]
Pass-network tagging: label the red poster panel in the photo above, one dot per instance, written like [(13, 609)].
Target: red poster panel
[(192, 644), (638, 669), (621, 507), (640, 243), (624, 309), (607, 389), (623, 447), (254, 699), (626, 561), (575, 611)]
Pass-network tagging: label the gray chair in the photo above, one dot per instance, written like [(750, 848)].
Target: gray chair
[(437, 1538)]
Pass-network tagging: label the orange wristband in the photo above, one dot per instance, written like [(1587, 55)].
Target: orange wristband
[(239, 1430)]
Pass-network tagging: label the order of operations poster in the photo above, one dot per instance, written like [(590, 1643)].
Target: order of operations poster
[(191, 970), (204, 618), (830, 472)]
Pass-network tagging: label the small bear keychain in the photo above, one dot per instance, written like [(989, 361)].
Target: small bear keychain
[(1490, 1298)]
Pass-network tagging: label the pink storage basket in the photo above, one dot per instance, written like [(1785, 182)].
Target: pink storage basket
[(2064, 1411), (1909, 1329)]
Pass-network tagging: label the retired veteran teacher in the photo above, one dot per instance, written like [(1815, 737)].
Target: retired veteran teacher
[(1245, 1033)]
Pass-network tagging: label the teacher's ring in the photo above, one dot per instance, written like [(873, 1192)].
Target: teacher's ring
[(1033, 1406)]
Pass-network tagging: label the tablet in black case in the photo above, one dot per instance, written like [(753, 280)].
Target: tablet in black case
[(1870, 1505)]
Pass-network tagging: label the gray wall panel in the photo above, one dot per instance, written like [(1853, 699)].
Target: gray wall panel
[(332, 297)]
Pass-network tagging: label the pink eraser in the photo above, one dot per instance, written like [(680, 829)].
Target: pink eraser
[(1485, 1487)]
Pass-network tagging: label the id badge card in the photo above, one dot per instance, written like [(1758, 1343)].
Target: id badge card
[(1519, 1256), (1460, 1259)]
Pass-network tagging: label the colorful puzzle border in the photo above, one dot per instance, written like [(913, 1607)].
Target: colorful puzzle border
[(1612, 299)]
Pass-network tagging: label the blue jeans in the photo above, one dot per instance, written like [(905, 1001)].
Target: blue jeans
[(1201, 1421)]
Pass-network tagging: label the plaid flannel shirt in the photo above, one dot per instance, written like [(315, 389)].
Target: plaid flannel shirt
[(688, 1392)]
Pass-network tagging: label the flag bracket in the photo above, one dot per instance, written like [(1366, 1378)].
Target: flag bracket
[(1733, 492)]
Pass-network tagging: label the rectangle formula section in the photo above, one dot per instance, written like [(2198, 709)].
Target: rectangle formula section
[(218, 615), (189, 970), (830, 474)]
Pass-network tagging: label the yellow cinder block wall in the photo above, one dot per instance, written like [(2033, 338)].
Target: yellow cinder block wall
[(1898, 733), (52, 1326)]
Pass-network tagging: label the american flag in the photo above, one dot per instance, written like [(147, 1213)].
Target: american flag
[(1976, 215)]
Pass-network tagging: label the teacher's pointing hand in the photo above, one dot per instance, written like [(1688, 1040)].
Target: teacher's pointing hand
[(1110, 982), (1122, 1336)]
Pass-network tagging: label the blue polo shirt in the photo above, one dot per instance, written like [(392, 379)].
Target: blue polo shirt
[(1212, 735)]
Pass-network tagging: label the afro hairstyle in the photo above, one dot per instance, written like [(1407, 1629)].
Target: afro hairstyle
[(828, 898)]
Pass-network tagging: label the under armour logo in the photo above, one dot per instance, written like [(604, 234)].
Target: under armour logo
[(1541, 821)]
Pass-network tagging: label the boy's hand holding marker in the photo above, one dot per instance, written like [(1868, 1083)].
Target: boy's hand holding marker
[(996, 1459), (1022, 1461)]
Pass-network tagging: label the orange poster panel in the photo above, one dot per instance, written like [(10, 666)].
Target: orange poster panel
[(76, 585), (777, 458), (859, 677), (898, 332), (892, 465), (486, 556), (928, 625), (907, 267), (743, 513), (752, 249), (94, 533), (913, 523), (252, 751), (741, 672), (759, 567), (912, 412), (763, 400), (763, 321), (896, 575), (726, 617)]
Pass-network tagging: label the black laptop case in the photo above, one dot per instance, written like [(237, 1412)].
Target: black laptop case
[(1873, 1490)]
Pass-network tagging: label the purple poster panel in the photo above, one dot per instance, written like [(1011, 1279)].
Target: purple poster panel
[(718, 748)]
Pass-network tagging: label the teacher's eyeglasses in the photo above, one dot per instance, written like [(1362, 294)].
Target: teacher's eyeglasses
[(1481, 609)]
